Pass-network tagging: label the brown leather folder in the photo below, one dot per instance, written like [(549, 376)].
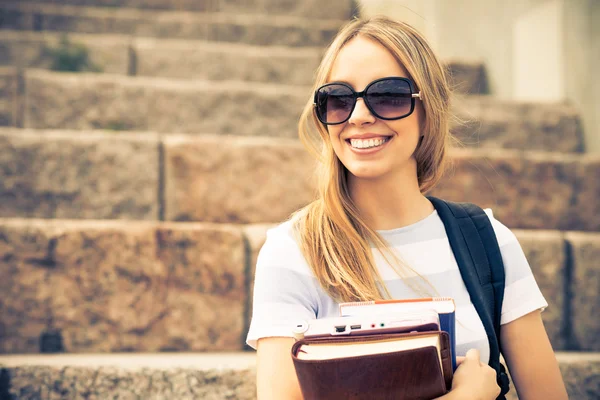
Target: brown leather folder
[(341, 367)]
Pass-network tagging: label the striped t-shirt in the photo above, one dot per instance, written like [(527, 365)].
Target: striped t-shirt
[(286, 290)]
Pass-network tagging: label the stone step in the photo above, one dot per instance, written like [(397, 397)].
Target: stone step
[(193, 376), (109, 286), (103, 101), (259, 29), (193, 59), (169, 58), (339, 9), (149, 176)]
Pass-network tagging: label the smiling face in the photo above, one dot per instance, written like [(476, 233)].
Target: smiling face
[(369, 147)]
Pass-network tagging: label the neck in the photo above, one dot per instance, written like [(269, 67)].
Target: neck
[(389, 202)]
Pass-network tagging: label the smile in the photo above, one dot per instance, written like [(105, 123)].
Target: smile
[(367, 144)]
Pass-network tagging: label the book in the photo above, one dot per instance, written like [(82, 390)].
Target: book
[(401, 366), (444, 306)]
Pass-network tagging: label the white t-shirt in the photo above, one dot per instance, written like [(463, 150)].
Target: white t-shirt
[(286, 290)]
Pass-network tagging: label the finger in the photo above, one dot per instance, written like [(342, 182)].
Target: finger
[(473, 354), (460, 359)]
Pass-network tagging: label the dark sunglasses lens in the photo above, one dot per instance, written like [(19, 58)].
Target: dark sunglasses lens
[(334, 103), (390, 98)]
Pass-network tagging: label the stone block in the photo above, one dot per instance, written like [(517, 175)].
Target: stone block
[(212, 378), (10, 98), (336, 9), (108, 53), (255, 237), (468, 77), (115, 286), (224, 61), (90, 101), (585, 286), (585, 207), (533, 190), (248, 28), (235, 179), (545, 251), (492, 123), (486, 178), (547, 185), (48, 382), (92, 175)]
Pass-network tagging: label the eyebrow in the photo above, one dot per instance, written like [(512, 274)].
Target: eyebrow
[(348, 83)]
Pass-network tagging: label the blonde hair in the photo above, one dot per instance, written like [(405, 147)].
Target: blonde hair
[(334, 239)]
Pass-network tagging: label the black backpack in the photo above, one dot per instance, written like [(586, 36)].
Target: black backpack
[(477, 253)]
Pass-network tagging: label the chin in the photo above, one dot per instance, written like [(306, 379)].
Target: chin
[(366, 173)]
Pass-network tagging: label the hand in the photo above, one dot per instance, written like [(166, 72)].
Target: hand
[(474, 379)]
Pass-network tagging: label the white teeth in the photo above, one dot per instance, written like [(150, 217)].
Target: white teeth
[(367, 143)]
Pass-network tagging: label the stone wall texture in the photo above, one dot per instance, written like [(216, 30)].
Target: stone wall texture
[(9, 96), (116, 286), (109, 53), (546, 253), (84, 101), (89, 101), (207, 177), (93, 175), (338, 9), (485, 121), (581, 374), (257, 29), (584, 289)]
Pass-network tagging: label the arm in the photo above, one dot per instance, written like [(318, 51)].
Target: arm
[(275, 374), (530, 358)]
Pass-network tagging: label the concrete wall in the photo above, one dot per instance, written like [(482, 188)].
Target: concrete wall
[(533, 50)]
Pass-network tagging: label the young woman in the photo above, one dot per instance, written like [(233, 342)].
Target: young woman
[(372, 233)]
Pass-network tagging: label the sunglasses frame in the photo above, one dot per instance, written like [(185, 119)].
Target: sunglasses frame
[(358, 95)]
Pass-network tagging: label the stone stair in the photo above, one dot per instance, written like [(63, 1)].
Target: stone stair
[(189, 376), (105, 249)]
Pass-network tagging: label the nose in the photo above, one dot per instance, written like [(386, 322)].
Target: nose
[(361, 114)]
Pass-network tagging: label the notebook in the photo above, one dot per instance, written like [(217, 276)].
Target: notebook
[(405, 366)]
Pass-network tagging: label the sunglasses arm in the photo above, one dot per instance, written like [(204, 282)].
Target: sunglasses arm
[(417, 95)]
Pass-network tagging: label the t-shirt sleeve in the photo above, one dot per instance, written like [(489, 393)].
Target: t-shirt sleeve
[(284, 289), (522, 294)]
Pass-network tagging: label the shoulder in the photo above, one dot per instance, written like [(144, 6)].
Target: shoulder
[(503, 234), (281, 249)]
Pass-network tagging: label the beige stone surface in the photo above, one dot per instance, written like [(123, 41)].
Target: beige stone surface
[(81, 101), (585, 207), (84, 101), (235, 179), (255, 237), (93, 175), (545, 251), (532, 190), (9, 96), (547, 185), (468, 77), (120, 286), (484, 177), (185, 59), (30, 383), (585, 286), (34, 49), (258, 29), (337, 9), (489, 122), (84, 380)]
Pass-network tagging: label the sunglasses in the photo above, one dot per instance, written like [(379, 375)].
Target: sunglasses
[(386, 98)]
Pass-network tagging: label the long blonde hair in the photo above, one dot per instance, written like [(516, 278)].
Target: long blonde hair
[(335, 241)]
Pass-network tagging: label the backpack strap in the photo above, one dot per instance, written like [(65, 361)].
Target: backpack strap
[(475, 247)]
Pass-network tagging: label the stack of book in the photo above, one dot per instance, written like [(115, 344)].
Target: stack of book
[(392, 349)]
